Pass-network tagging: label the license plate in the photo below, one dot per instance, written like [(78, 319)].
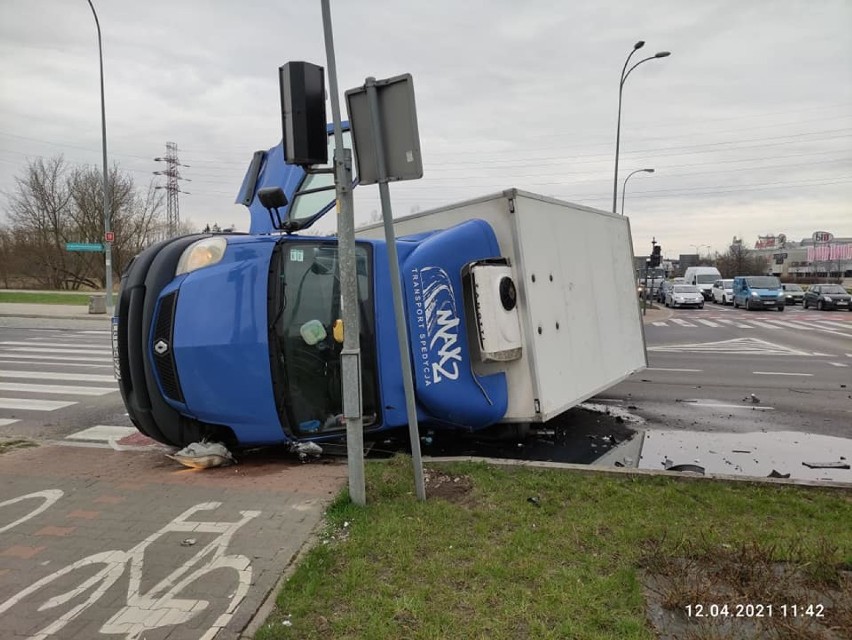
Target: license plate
[(769, 303), (116, 368)]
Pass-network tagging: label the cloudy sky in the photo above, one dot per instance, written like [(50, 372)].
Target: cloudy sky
[(748, 124)]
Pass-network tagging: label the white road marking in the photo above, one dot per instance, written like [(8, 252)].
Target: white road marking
[(792, 324), (838, 364), (101, 332), (102, 433), (33, 405), (664, 369), (738, 325), (736, 346), (838, 325), (24, 356), (764, 324), (659, 324), (780, 373), (55, 388), (61, 364), (4, 422), (56, 375), (682, 323), (64, 352), (709, 323)]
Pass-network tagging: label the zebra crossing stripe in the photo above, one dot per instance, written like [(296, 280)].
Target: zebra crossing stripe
[(836, 325), (33, 405), (56, 375), (838, 364), (55, 388), (709, 323), (765, 325), (5, 422), (682, 323), (659, 324), (61, 364), (57, 350), (102, 433), (99, 347), (27, 356)]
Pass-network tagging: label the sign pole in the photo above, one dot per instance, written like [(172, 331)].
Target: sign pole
[(350, 356), (396, 279)]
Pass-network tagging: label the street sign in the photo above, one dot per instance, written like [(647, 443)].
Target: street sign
[(398, 127), (109, 236), (84, 246)]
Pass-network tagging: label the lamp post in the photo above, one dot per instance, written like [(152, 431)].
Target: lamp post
[(107, 242), (698, 249), (625, 72), (624, 186)]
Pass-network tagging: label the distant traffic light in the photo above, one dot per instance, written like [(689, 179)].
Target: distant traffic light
[(656, 257)]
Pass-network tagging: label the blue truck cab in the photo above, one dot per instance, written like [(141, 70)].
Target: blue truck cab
[(238, 337), (758, 292)]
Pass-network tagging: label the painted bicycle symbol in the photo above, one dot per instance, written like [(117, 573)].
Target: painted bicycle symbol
[(160, 605)]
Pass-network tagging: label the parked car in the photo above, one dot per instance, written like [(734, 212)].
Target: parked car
[(793, 293), (758, 292), (723, 291), (683, 295), (827, 296)]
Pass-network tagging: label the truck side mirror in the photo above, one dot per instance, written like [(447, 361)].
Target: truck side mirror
[(273, 198)]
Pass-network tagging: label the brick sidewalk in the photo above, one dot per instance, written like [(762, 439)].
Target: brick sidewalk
[(172, 552)]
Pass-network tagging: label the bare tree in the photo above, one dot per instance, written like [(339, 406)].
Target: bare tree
[(739, 261)]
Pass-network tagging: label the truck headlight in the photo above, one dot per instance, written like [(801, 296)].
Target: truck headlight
[(202, 253)]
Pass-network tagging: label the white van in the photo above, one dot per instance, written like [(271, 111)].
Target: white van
[(703, 278)]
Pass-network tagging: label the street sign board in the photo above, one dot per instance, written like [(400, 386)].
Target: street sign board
[(84, 246), (398, 126)]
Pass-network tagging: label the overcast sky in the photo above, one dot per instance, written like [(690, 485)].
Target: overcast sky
[(748, 124)]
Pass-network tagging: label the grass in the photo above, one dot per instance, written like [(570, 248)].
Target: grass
[(45, 297), (530, 553), (15, 443)]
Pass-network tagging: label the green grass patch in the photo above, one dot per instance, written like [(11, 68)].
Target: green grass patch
[(531, 553), (15, 443), (38, 297)]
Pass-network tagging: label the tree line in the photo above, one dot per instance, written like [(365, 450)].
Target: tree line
[(54, 203)]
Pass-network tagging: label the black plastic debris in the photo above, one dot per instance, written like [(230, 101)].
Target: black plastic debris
[(776, 474), (534, 500), (690, 468), (826, 465)]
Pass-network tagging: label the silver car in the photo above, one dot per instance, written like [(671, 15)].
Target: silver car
[(685, 295)]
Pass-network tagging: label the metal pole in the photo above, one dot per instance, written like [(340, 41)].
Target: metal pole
[(350, 356), (396, 279), (107, 245)]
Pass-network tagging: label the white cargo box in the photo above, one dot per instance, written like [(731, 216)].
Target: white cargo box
[(580, 323)]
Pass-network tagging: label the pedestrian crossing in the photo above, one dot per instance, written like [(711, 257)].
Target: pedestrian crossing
[(760, 321), (42, 371)]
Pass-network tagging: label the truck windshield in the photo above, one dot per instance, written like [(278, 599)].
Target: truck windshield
[(764, 282), (706, 278), (304, 305)]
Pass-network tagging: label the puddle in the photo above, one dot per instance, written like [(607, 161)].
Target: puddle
[(748, 454)]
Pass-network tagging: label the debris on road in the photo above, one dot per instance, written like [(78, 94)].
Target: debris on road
[(203, 455), (306, 450), (826, 465), (776, 474)]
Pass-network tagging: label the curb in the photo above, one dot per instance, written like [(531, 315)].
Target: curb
[(99, 316)]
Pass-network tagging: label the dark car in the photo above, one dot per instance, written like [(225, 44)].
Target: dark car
[(827, 296), (793, 293)]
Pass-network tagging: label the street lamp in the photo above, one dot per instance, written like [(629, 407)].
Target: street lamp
[(624, 186), (107, 243), (636, 47), (698, 249)]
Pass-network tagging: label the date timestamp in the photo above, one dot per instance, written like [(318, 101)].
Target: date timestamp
[(755, 610)]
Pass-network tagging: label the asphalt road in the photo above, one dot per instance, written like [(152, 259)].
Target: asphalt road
[(705, 365)]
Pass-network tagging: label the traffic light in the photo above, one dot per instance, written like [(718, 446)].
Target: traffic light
[(656, 258)]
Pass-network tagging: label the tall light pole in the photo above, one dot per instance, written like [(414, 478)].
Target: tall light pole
[(107, 242), (698, 249), (624, 186), (624, 73)]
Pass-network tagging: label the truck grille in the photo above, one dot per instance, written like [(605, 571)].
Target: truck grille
[(163, 349)]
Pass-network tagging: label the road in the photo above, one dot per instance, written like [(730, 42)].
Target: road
[(705, 364), (56, 382)]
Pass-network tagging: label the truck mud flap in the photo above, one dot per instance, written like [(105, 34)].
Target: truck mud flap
[(146, 276)]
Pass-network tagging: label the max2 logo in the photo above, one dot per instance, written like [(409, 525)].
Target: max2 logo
[(438, 324)]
